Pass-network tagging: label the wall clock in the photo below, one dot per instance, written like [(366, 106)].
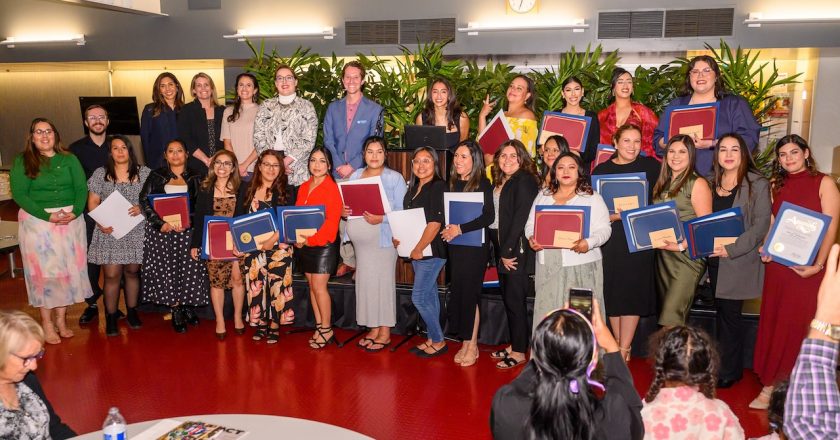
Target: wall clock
[(522, 6)]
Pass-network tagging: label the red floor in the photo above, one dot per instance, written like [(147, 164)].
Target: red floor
[(154, 373)]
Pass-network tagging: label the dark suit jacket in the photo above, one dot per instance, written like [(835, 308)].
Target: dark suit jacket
[(192, 129), (155, 133), (58, 429), (515, 202)]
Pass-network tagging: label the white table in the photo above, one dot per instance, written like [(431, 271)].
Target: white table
[(9, 242), (258, 426)]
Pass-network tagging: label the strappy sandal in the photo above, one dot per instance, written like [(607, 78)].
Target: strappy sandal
[(762, 401), (470, 358), (416, 349), (262, 332), (366, 342), (625, 353), (273, 335), (377, 346), (435, 351), (499, 354), (508, 362), (317, 328), (324, 341)]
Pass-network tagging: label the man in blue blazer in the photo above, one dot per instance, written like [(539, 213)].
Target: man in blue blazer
[(348, 122)]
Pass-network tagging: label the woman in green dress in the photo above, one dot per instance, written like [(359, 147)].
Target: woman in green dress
[(677, 274)]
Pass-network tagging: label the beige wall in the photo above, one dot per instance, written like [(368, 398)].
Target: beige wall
[(53, 91)]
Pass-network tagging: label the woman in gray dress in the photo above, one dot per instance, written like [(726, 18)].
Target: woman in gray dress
[(376, 256)]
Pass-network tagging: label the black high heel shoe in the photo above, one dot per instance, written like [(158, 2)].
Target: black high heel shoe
[(262, 331), (318, 345)]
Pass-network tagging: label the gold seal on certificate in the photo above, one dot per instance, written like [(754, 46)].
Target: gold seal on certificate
[(245, 237), (778, 247), (797, 235)]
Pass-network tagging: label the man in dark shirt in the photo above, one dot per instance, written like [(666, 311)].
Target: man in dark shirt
[(92, 153)]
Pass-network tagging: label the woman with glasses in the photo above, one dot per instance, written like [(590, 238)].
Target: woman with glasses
[(49, 185), (120, 258), (217, 197), (200, 123), (238, 124), (25, 412), (624, 111), (704, 85), (267, 270), (287, 123)]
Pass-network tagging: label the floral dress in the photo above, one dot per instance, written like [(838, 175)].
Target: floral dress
[(683, 413), (268, 283)]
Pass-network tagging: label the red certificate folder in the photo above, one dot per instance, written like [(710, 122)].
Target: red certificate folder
[(558, 229), (219, 240), (699, 120), (496, 133), (172, 208), (602, 154), (572, 127), (361, 198)]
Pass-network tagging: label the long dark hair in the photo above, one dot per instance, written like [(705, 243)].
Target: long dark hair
[(375, 140), (582, 187), (32, 158), (532, 90), (526, 164), (569, 80), (747, 164), (477, 171), (665, 173), (278, 187), (685, 355), (562, 145), (110, 165), (232, 185), (453, 108), (237, 102), (616, 73), (563, 405), (327, 157), (780, 175), (158, 102), (719, 87), (413, 181)]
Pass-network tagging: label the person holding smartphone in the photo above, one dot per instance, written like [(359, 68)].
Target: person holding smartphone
[(558, 270)]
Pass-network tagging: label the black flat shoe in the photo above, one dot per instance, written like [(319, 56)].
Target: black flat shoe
[(133, 319), (436, 352), (91, 312), (189, 315), (727, 383), (111, 328)]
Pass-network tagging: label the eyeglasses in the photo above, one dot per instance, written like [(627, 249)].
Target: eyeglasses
[(97, 118), (47, 132), (275, 166), (225, 164), (422, 161), (285, 79), (28, 360), (698, 72)]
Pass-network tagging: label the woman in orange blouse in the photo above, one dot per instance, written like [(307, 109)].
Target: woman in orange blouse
[(625, 111), (319, 252)]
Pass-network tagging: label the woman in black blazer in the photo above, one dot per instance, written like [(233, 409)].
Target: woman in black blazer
[(517, 182), (200, 123)]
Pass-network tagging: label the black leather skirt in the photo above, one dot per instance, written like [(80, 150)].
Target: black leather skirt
[(318, 259)]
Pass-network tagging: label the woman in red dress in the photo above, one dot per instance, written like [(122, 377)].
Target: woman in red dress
[(790, 293), (625, 111)]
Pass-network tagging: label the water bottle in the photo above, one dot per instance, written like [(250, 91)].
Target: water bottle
[(114, 426)]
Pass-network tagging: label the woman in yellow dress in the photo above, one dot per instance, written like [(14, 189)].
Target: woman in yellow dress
[(519, 113)]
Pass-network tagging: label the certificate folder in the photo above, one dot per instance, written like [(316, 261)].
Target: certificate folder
[(495, 134), (698, 120), (646, 227), (362, 198), (172, 208), (603, 153), (702, 233), (796, 235), (559, 226), (251, 230), (461, 212), (572, 127), (622, 191), (217, 242), (299, 222)]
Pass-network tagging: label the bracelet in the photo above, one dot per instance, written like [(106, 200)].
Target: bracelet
[(680, 247)]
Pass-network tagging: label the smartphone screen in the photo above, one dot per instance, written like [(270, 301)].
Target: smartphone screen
[(580, 299)]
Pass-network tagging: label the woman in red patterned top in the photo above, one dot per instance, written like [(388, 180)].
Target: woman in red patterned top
[(319, 251), (625, 111)]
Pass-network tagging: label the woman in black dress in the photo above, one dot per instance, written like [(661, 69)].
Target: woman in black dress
[(200, 123), (443, 110), (629, 282)]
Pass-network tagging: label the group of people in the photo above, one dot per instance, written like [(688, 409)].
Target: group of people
[(251, 156)]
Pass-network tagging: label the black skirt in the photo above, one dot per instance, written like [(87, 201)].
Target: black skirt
[(318, 259)]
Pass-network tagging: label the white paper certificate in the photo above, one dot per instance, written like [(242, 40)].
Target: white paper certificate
[(407, 226), (796, 236), (113, 212)]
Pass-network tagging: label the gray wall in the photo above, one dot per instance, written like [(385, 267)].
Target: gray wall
[(197, 34)]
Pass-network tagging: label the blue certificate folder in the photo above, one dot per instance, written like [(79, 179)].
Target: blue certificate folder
[(796, 235), (704, 116), (463, 212), (299, 220), (619, 186), (701, 232), (250, 230), (639, 223)]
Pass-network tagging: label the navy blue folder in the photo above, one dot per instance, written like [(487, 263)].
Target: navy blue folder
[(700, 233), (294, 218), (251, 229), (461, 212), (612, 186), (639, 223), (805, 224)]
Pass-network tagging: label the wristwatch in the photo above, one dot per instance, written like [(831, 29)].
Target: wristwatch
[(830, 330)]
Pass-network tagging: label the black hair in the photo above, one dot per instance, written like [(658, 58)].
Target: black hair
[(477, 171), (413, 181), (582, 185), (684, 355), (110, 165)]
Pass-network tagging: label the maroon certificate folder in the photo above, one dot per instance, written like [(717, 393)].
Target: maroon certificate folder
[(698, 120), (361, 198), (173, 210), (495, 133), (602, 154), (220, 241), (558, 229), (572, 127)]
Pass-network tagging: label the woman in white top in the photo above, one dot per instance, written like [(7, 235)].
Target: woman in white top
[(238, 124), (580, 266)]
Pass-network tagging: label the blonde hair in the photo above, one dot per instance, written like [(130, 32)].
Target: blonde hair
[(212, 85), (16, 329)]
